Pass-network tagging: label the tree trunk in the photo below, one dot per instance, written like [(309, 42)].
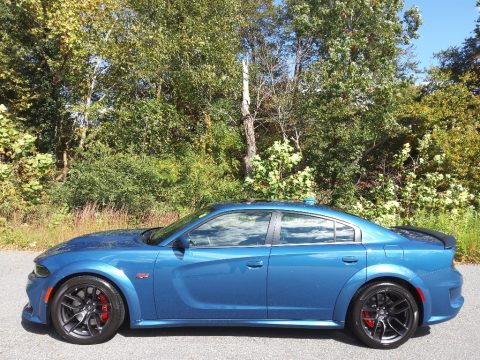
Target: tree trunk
[(247, 119), (85, 123)]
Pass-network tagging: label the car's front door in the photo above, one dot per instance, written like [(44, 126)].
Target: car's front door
[(222, 275), (311, 260)]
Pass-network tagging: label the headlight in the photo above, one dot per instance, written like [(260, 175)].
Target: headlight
[(40, 271)]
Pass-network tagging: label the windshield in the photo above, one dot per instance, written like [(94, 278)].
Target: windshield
[(161, 234)]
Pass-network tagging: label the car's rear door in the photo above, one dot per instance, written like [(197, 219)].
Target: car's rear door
[(312, 258), (222, 275)]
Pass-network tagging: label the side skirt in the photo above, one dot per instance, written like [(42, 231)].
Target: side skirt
[(312, 324)]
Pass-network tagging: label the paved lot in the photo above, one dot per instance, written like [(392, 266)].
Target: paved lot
[(459, 338)]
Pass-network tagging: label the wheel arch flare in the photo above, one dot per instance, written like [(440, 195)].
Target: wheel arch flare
[(109, 273), (384, 272)]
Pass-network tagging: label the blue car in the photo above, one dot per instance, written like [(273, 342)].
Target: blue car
[(271, 264)]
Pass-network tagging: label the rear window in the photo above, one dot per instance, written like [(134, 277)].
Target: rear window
[(344, 232), (305, 229), (418, 236)]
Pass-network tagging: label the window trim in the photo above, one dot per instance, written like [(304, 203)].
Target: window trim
[(268, 238), (278, 226)]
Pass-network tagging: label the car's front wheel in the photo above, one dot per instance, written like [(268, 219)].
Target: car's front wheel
[(87, 310), (383, 315)]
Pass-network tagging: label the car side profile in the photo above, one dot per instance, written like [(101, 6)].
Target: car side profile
[(269, 264)]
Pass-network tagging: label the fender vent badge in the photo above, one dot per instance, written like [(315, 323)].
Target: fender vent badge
[(142, 275)]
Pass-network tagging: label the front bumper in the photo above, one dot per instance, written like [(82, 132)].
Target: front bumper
[(36, 309), (27, 314)]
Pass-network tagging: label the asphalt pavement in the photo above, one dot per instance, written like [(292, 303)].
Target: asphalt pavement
[(456, 339)]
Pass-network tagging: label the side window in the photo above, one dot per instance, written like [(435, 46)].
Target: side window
[(344, 233), (304, 229), (232, 229)]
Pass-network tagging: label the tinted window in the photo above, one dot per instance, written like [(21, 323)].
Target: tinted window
[(344, 233), (416, 235), (304, 229), (233, 229)]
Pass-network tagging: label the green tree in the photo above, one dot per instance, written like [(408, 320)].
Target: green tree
[(54, 56), (349, 82), (24, 172), (447, 112), (179, 79), (459, 60)]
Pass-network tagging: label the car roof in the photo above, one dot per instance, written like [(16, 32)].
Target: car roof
[(255, 202), (285, 205)]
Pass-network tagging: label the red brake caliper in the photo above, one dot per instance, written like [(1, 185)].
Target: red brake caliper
[(369, 323), (105, 307)]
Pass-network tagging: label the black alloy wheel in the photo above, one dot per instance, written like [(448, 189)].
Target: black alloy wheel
[(384, 315), (87, 310)]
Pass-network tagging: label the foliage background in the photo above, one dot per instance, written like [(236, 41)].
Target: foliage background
[(127, 113)]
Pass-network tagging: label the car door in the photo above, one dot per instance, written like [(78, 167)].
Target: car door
[(312, 258), (222, 275)]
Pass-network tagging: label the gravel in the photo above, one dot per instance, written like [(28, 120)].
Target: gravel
[(458, 338)]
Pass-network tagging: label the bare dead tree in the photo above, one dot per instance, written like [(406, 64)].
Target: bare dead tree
[(248, 120)]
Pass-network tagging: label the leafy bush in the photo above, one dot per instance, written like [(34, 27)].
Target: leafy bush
[(448, 113), (24, 172), (142, 184), (138, 183), (203, 181), (400, 198), (275, 177)]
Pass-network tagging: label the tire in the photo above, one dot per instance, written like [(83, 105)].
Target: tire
[(383, 315), (87, 310)]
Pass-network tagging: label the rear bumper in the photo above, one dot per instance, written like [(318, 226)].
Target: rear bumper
[(445, 288)]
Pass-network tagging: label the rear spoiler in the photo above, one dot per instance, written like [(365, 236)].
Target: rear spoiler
[(448, 240)]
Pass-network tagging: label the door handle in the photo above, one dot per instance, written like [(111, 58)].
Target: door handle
[(350, 259), (255, 264)]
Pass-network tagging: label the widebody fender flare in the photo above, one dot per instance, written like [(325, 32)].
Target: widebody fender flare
[(376, 272), (116, 276)]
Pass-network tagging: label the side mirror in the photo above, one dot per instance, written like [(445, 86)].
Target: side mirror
[(183, 242)]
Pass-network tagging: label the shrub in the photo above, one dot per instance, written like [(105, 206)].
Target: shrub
[(203, 181), (275, 176), (138, 183), (400, 198), (141, 184)]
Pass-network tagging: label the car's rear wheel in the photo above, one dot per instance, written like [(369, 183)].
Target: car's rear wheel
[(383, 315), (87, 310)]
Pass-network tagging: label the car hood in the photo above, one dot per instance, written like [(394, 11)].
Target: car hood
[(112, 239)]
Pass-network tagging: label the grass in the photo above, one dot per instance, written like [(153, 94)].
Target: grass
[(40, 232)]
